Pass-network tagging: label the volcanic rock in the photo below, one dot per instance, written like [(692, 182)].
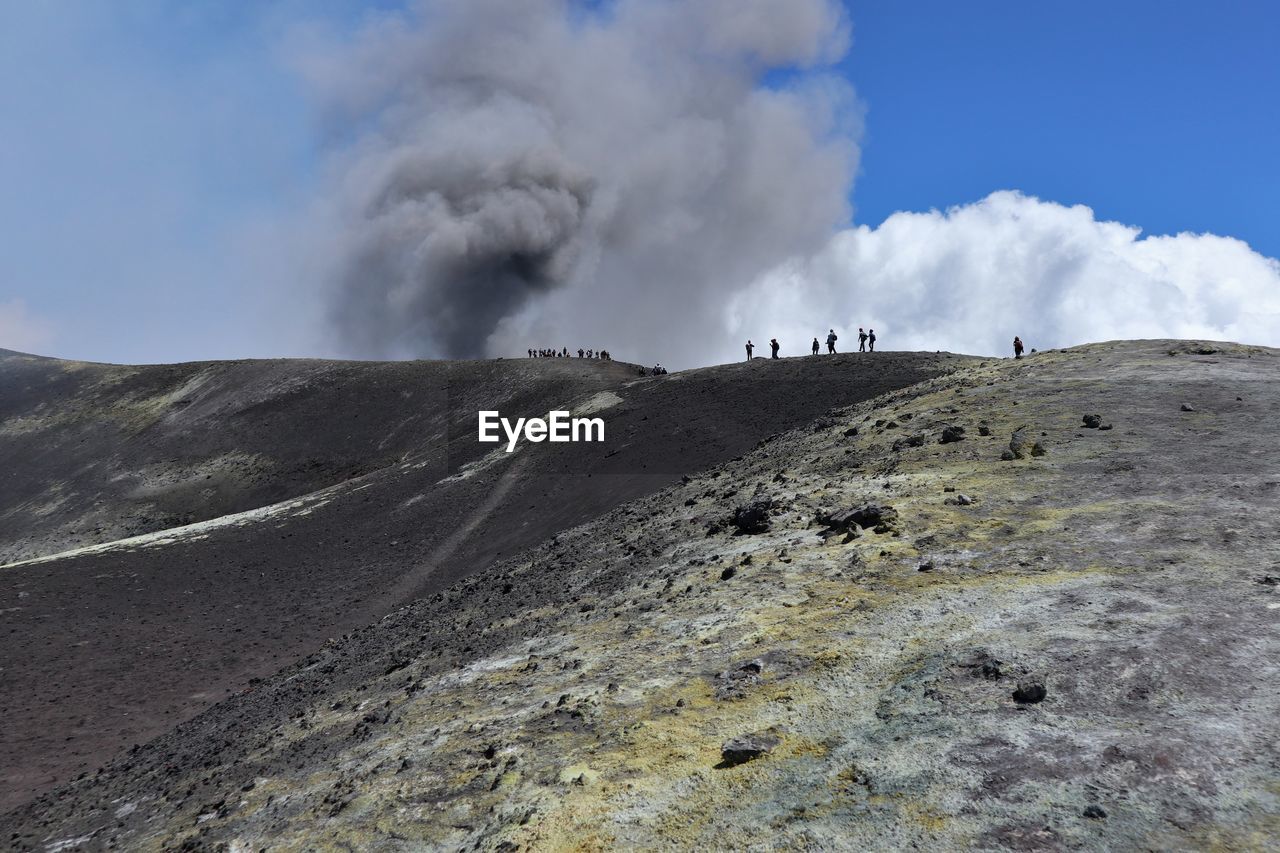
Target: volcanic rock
[(744, 748), (752, 517), (1029, 691)]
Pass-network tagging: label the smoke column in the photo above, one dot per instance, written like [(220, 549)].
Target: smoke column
[(529, 173)]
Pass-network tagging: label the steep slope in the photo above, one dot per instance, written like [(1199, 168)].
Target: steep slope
[(114, 643), (589, 693)]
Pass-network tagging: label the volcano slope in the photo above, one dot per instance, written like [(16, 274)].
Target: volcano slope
[(1073, 648), (276, 504)]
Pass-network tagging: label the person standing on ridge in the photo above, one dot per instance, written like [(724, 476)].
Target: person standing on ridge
[(862, 340), (1017, 347), (871, 340), (750, 347), (831, 342), (815, 346), (773, 344)]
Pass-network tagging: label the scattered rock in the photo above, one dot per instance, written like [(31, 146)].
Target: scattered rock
[(823, 423), (925, 567), (1187, 408), (1008, 456), (1094, 812), (1030, 690), (870, 516), (753, 517), (984, 430), (733, 683), (1019, 444), (744, 748), (1038, 449), (981, 662), (963, 499), (1269, 580), (910, 441), (728, 573), (1105, 427), (1092, 421), (850, 432), (951, 434)]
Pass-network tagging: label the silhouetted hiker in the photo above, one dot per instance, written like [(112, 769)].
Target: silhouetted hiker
[(1017, 347), (773, 344), (871, 340), (750, 347), (862, 340), (815, 346), (581, 352), (831, 341)]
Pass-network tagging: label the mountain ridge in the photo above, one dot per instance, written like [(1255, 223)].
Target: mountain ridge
[(326, 495)]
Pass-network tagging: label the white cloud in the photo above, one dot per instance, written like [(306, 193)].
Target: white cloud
[(20, 329), (971, 278)]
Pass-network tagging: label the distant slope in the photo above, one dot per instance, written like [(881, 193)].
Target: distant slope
[(93, 453), (390, 497), (580, 695)]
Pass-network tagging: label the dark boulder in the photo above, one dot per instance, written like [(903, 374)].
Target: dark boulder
[(951, 433), (873, 516), (744, 748), (1029, 691), (909, 441), (753, 517)]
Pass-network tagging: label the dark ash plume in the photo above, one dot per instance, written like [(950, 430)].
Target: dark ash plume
[(544, 173)]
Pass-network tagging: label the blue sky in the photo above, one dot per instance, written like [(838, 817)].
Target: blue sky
[(1158, 114), (151, 148)]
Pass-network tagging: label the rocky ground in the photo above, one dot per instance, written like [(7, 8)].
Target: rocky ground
[(267, 506), (1023, 606), (1026, 605)]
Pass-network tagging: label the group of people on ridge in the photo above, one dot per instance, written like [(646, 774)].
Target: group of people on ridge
[(602, 354), (866, 343)]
